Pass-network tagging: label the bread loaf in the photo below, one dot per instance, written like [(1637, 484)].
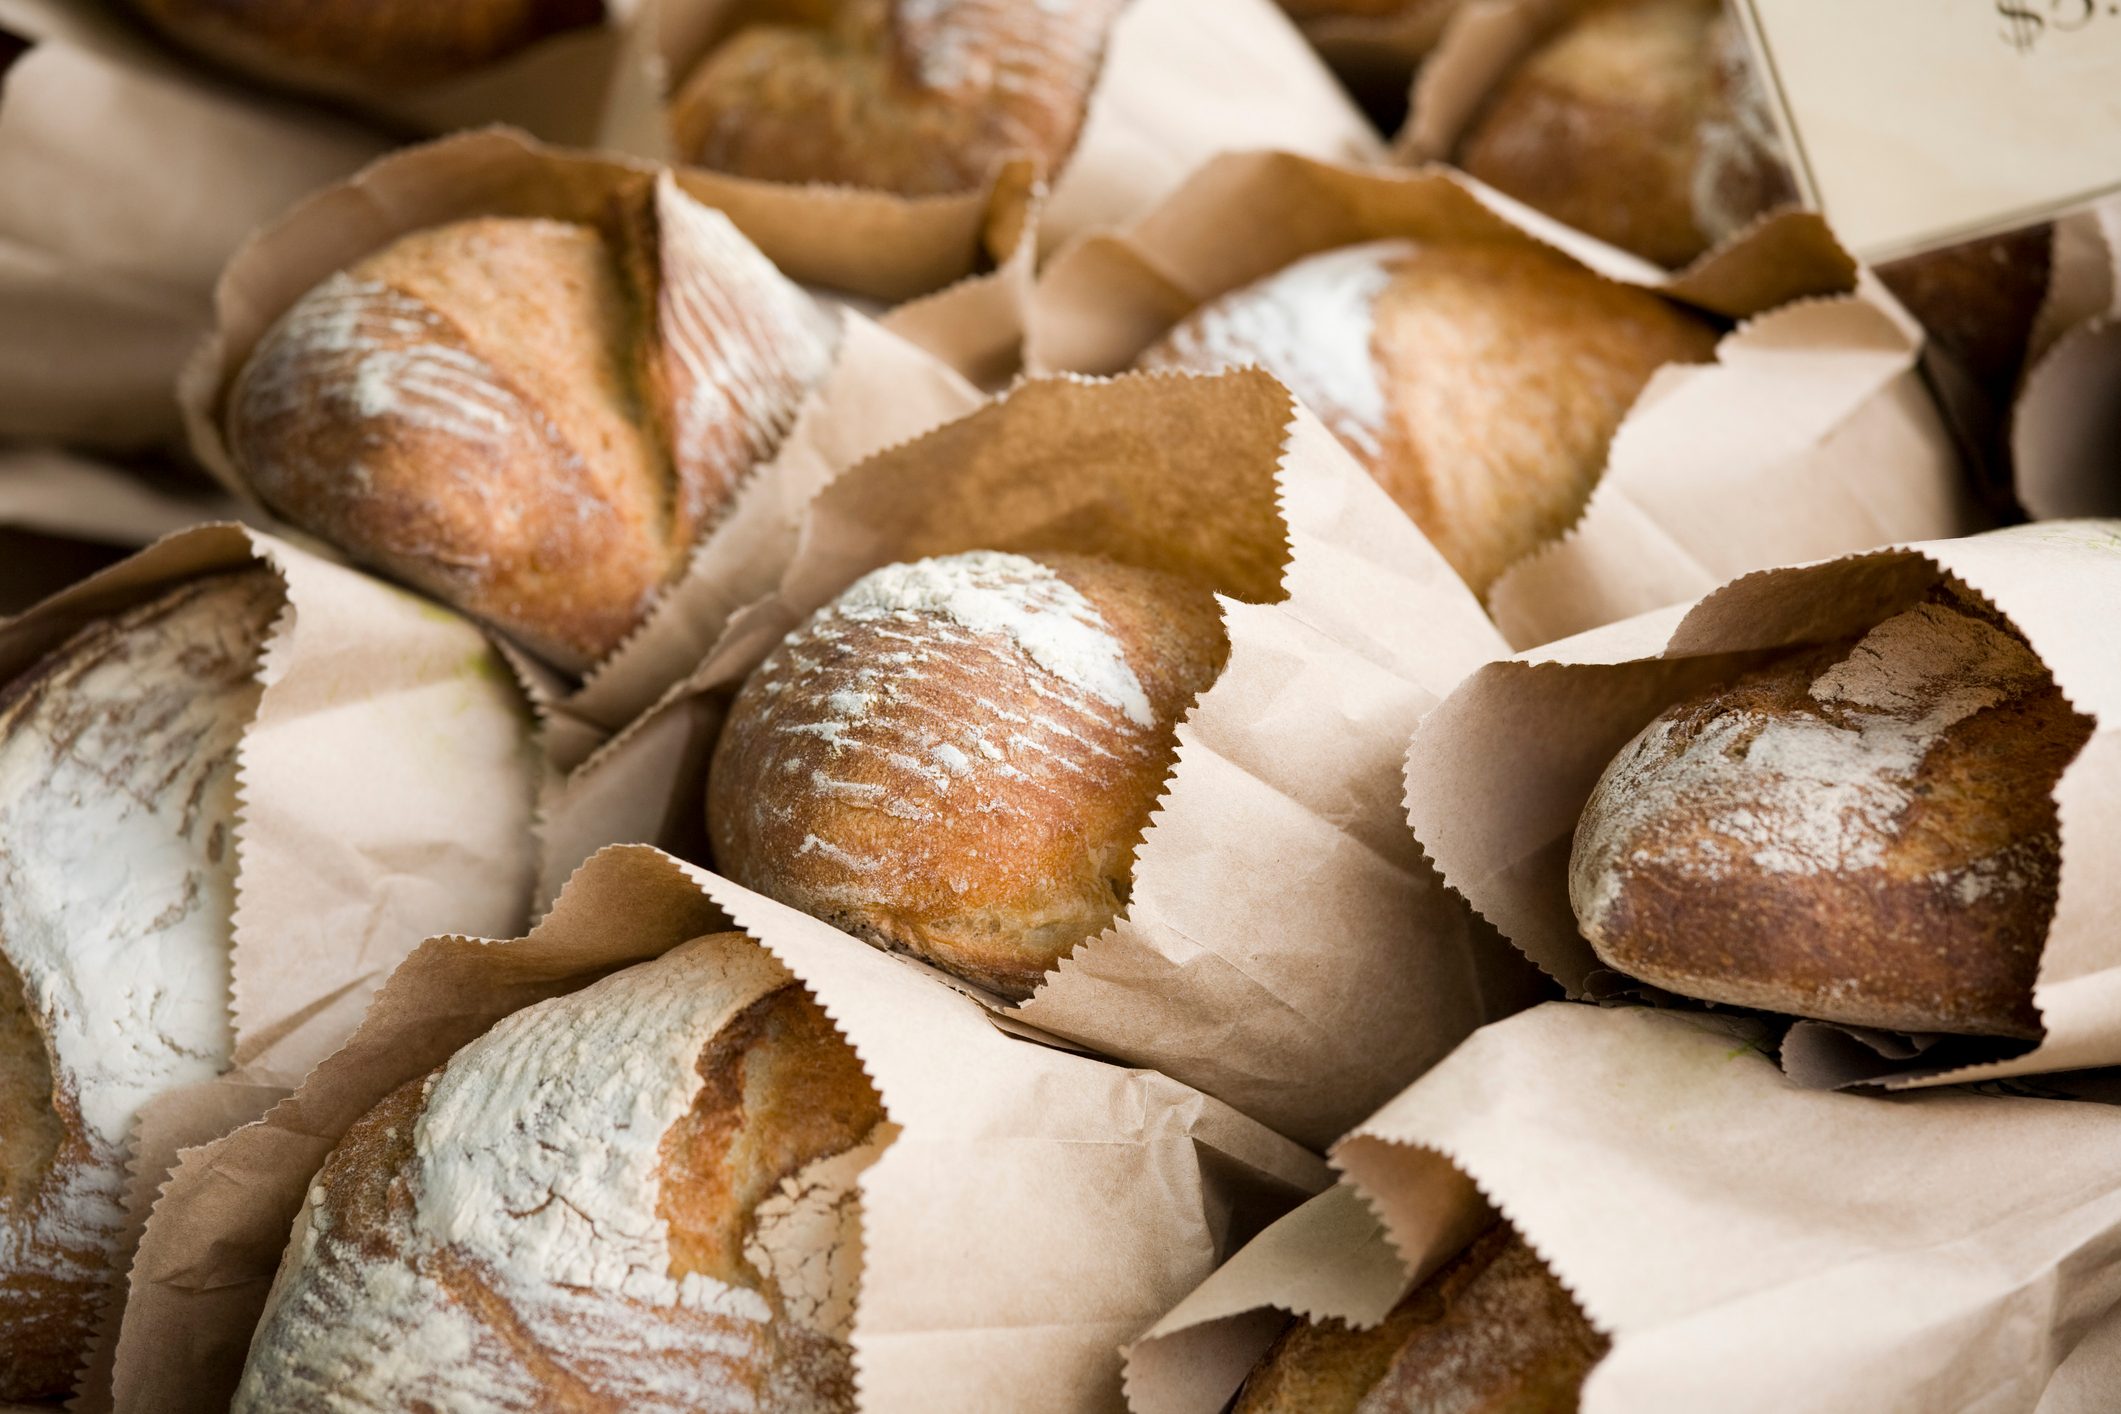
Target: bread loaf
[(639, 1196), (1640, 122), (1480, 385), (956, 758), (1979, 300), (335, 45), (1492, 1332), (532, 420), (918, 97), (118, 808), (1863, 833)]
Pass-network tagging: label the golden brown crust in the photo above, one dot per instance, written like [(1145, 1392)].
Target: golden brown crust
[(1863, 833), (333, 45), (532, 420), (1480, 385), (1979, 300), (914, 99), (1492, 1332), (1638, 123), (919, 777)]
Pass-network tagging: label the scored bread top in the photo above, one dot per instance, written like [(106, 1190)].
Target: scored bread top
[(919, 98), (1863, 833), (958, 756), (637, 1196), (534, 420), (117, 881), (1480, 385)]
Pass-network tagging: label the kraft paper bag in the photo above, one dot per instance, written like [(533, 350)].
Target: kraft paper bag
[(1498, 774), (63, 517), (1284, 948), (1034, 1208), (1811, 434)]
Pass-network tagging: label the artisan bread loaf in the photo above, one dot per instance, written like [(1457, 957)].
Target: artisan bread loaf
[(1480, 385), (1492, 1332), (1640, 122), (1863, 833), (957, 757), (532, 420), (117, 880), (917, 97), (1978, 301), (335, 45), (639, 1196)]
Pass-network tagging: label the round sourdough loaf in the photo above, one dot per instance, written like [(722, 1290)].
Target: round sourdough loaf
[(957, 757), (335, 45), (533, 420), (1639, 122), (640, 1196), (918, 97), (117, 879), (1863, 833), (1492, 1332), (1480, 385)]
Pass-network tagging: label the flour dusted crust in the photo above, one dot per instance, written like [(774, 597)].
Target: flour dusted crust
[(1480, 385), (1863, 833), (1639, 122), (639, 1196), (117, 806), (1492, 1332), (919, 97), (333, 45), (533, 420), (957, 757)]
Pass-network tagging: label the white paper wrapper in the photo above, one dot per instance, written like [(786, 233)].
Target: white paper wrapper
[(1810, 435), (1034, 1210), (1277, 867), (2067, 423), (1498, 775)]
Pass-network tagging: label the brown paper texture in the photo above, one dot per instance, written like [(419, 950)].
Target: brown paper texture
[(1497, 775), (880, 389), (2068, 417), (1750, 1245), (1277, 844), (62, 518), (1811, 434), (109, 244), (1036, 1208), (385, 793)]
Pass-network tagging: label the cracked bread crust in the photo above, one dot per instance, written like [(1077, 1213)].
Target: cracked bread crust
[(638, 1196), (1862, 833)]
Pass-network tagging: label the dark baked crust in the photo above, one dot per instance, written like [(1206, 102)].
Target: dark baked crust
[(1492, 1332), (917, 100), (1777, 845), (969, 811), (337, 44), (1979, 300)]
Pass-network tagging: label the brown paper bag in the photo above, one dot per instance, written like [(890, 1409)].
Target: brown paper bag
[(1748, 1244), (1498, 774), (387, 783), (1810, 435), (1277, 868), (1181, 81), (124, 187), (63, 518), (1035, 1208), (880, 389), (2068, 417)]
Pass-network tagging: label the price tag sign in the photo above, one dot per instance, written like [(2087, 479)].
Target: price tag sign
[(1914, 124)]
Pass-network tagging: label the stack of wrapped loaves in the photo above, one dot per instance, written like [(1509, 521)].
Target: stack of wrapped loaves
[(1171, 705)]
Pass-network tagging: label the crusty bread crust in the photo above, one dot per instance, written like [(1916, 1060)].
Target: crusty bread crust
[(117, 805), (914, 99), (1979, 301), (1863, 833), (1480, 385), (1639, 123), (532, 420), (334, 45), (910, 767), (1492, 1332), (636, 1197)]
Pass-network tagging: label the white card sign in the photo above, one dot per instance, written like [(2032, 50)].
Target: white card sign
[(1915, 124)]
